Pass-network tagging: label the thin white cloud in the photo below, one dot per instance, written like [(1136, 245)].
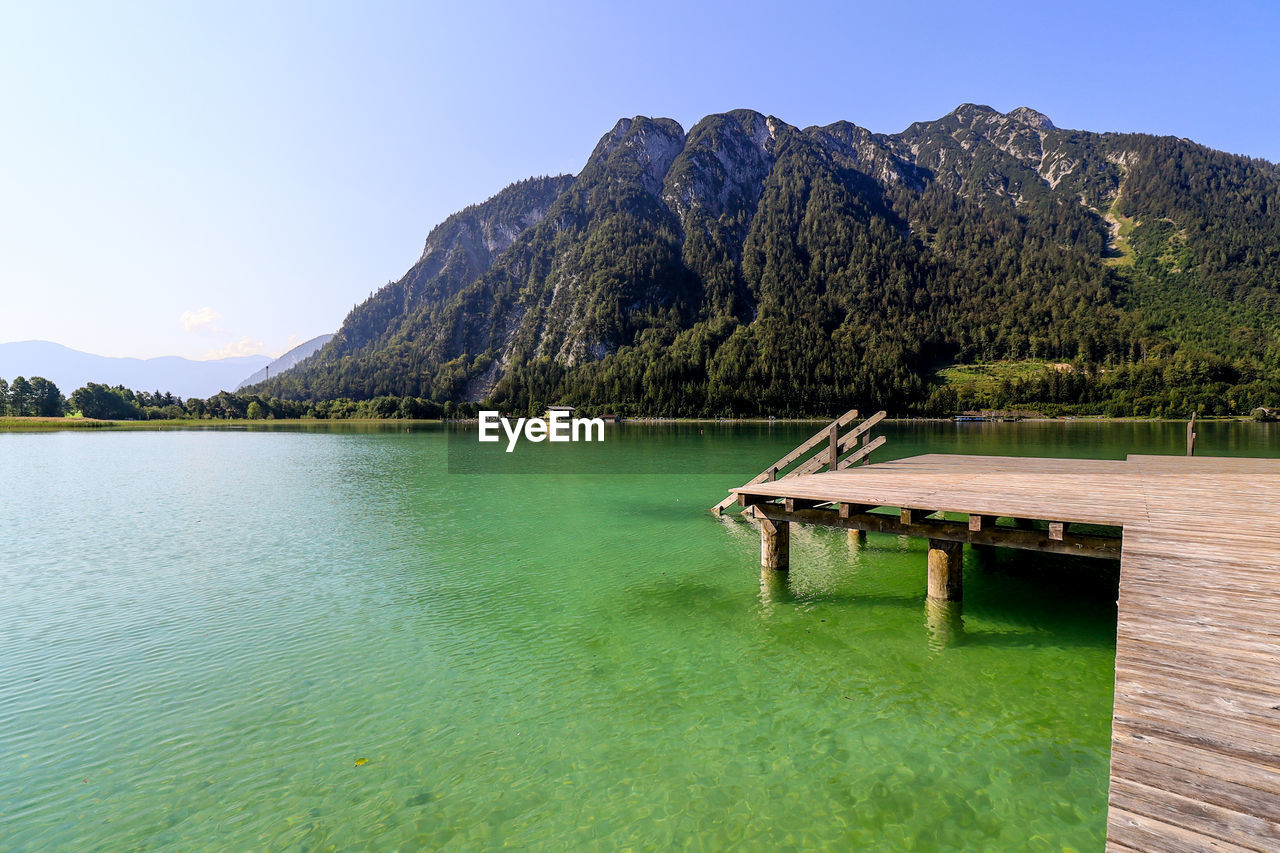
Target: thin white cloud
[(200, 320), (244, 346)]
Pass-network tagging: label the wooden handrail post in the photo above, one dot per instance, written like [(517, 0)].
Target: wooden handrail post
[(1191, 435), (833, 439)]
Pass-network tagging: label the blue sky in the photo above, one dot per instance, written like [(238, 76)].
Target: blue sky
[(195, 179)]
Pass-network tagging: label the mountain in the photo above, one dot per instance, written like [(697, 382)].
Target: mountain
[(287, 361), (750, 267), (71, 369)]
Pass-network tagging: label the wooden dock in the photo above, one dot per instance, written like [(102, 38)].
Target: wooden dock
[(1195, 742)]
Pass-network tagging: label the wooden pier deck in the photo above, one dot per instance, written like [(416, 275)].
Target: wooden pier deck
[(1195, 743)]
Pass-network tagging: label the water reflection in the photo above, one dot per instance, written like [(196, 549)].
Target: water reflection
[(773, 589), (945, 623)]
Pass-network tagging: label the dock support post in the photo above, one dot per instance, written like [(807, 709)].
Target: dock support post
[(946, 561), (775, 545), (859, 536)]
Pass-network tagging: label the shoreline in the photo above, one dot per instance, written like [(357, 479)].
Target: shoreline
[(46, 424)]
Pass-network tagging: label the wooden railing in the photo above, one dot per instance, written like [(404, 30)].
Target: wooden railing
[(825, 449)]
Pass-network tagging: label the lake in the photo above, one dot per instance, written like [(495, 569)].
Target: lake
[(362, 637)]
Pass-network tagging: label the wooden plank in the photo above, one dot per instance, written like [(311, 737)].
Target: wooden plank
[(1164, 652), (1244, 585), (1142, 832), (863, 429), (1194, 784), (1256, 701), (863, 452), (1223, 742), (1113, 847), (1246, 830), (1196, 717), (1261, 777), (1216, 618), (1148, 625)]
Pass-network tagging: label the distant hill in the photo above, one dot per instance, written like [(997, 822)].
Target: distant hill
[(752, 267), (287, 361), (70, 369)]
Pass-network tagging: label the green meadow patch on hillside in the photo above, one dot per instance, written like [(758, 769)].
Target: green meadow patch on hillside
[(986, 378)]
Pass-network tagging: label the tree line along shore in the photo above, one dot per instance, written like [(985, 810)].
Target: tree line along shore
[(1017, 391)]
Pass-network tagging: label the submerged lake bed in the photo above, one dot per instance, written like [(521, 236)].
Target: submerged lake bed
[(363, 638)]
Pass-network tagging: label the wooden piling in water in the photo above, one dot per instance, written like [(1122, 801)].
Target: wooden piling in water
[(775, 545), (946, 560)]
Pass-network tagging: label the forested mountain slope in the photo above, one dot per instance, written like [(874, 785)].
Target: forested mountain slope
[(752, 267)]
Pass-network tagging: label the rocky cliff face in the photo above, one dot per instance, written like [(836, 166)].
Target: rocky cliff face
[(456, 252), (984, 154), (729, 233), (640, 150)]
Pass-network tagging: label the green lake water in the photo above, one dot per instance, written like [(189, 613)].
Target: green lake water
[(340, 638)]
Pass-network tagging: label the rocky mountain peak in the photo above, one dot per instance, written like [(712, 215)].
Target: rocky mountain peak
[(1031, 117), (972, 113), (641, 144), (725, 160)]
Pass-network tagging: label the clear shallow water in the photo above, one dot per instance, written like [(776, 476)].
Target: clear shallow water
[(203, 633)]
